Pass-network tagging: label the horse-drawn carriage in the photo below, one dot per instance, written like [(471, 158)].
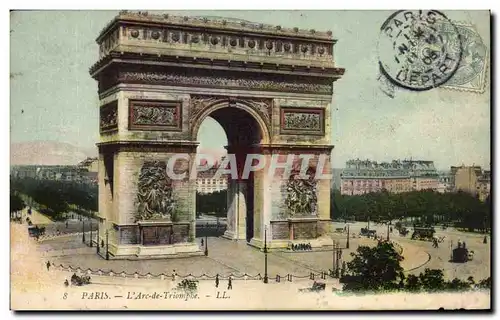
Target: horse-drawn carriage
[(423, 233), (403, 231), (368, 233), (79, 281), (35, 231), (316, 287)]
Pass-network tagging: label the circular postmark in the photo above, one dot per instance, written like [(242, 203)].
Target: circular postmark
[(419, 49)]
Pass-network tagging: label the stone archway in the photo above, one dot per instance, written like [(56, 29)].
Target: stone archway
[(246, 122), (158, 77)]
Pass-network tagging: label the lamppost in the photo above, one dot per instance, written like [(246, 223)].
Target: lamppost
[(90, 219), (388, 225), (266, 279), (333, 256), (107, 245), (347, 243), (206, 240), (339, 257), (97, 242), (83, 231)]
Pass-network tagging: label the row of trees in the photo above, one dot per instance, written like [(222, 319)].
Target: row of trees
[(58, 197), (459, 208), (215, 202), (55, 197), (379, 269)]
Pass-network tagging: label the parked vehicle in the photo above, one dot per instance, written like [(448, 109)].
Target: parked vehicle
[(423, 233)]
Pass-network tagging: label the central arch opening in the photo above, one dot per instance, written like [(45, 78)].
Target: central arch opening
[(223, 131)]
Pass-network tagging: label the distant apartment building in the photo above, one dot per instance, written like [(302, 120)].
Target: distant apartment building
[(89, 164), (473, 180), (445, 183), (365, 176), (208, 182), (58, 173)]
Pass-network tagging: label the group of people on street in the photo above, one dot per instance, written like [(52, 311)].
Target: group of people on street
[(301, 247), (229, 282)]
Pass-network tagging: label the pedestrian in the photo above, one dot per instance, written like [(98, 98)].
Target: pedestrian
[(202, 242), (173, 275), (66, 283), (230, 283), (48, 265), (217, 280)]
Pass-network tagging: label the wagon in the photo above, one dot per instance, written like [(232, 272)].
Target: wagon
[(368, 233), (423, 233)]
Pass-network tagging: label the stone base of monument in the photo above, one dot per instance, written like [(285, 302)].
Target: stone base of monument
[(231, 235), (316, 243), (297, 230), (140, 252)]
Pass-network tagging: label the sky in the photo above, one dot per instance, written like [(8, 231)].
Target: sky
[(53, 97)]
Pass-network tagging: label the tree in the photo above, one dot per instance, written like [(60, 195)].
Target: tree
[(426, 207), (373, 269), (432, 280), (378, 268), (213, 202), (16, 203), (485, 283)]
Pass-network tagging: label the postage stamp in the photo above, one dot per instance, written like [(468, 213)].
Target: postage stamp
[(205, 162), (471, 74)]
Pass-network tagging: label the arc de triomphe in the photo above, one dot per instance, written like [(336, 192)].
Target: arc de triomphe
[(159, 77)]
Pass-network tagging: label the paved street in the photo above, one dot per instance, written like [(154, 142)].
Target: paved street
[(229, 257), (52, 227)]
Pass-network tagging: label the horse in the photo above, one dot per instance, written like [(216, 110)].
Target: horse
[(440, 239)]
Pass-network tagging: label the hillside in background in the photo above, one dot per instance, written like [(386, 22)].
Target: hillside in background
[(48, 153)]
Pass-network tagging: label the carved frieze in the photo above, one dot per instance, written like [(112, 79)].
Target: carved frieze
[(263, 107), (302, 121), (108, 115), (212, 40), (200, 103), (226, 82), (155, 115), (301, 195), (155, 199)]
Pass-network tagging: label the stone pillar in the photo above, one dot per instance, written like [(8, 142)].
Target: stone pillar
[(262, 200), (242, 207), (237, 198), (231, 211)]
